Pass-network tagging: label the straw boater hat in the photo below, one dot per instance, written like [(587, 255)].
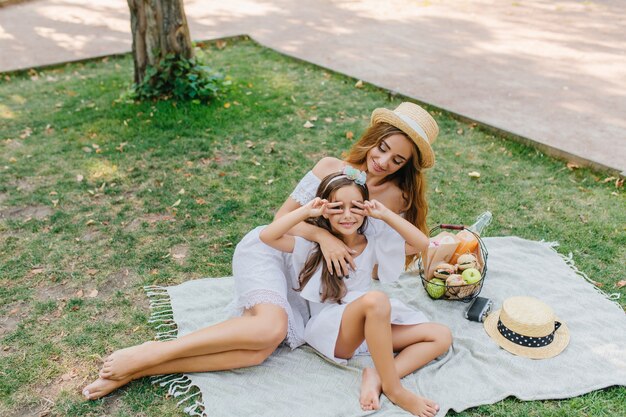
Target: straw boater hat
[(417, 123), (527, 327)]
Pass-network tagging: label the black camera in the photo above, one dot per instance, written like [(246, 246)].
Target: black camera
[(478, 309)]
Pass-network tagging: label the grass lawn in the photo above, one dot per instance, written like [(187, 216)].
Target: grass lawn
[(100, 196)]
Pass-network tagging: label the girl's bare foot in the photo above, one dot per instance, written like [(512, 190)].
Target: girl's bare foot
[(418, 406), (101, 387), (123, 363), (371, 387)]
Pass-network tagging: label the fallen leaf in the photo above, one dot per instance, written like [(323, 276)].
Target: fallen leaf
[(79, 178), (176, 203), (92, 271), (270, 147), (308, 125), (270, 181), (608, 179), (90, 222), (328, 119), (93, 294), (79, 293), (200, 201), (621, 283), (121, 146), (349, 135), (313, 118), (54, 202), (12, 160), (182, 191), (36, 270), (226, 105), (572, 166), (249, 144), (619, 183), (459, 132), (220, 44), (359, 84), (474, 174)]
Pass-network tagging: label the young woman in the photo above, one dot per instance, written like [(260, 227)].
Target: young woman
[(344, 312), (394, 151)]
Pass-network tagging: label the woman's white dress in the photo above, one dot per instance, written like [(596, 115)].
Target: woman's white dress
[(385, 249)]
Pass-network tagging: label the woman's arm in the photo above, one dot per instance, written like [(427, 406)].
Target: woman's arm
[(416, 240), (276, 233)]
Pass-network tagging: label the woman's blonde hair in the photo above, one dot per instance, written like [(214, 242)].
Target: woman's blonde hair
[(409, 178)]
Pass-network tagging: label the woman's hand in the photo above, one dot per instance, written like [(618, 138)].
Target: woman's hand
[(337, 255)]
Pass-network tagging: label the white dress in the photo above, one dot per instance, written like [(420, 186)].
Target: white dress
[(263, 275), (385, 248)]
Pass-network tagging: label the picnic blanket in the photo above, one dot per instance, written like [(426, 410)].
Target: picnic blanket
[(474, 372)]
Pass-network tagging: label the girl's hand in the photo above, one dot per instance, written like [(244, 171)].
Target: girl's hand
[(337, 255), (375, 209), (318, 207)]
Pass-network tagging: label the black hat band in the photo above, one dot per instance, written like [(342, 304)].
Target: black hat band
[(527, 341)]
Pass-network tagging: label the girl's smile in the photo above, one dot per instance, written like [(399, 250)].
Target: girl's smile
[(346, 223)]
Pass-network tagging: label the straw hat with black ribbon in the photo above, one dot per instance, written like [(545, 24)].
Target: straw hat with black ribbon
[(417, 123), (526, 326)]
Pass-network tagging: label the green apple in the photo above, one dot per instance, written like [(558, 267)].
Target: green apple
[(436, 288), (471, 275)]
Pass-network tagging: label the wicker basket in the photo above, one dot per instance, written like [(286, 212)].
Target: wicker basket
[(465, 292)]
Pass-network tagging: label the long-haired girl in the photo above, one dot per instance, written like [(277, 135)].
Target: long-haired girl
[(344, 313)]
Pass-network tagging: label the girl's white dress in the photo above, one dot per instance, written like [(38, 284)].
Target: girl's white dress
[(385, 249)]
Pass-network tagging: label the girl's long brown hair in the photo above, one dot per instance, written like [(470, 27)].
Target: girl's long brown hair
[(333, 288), (409, 178)]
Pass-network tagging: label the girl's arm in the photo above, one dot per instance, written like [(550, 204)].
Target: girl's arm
[(276, 233), (416, 240)]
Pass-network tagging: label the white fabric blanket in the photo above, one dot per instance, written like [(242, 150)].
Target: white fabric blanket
[(474, 372)]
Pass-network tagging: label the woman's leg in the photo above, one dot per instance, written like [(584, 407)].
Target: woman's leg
[(261, 327), (205, 363), (368, 318)]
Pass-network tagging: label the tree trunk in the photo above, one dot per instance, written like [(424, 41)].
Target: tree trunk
[(159, 28)]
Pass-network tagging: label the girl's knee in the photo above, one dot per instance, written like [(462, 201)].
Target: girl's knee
[(376, 302)]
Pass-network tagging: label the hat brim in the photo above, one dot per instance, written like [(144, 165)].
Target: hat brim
[(560, 342), (427, 156)]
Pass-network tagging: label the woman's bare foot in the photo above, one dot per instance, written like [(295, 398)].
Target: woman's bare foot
[(123, 363), (418, 406), (371, 387), (101, 387)]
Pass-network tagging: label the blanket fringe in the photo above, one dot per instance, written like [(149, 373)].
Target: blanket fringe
[(569, 261), (162, 320)]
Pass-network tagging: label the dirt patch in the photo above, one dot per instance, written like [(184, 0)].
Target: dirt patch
[(3, 197), (56, 292), (91, 236), (151, 219), (29, 212), (15, 313), (179, 253), (121, 279), (25, 185)]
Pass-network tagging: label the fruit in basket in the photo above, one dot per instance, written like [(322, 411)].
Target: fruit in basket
[(467, 261), (471, 275), (436, 288), (454, 280), (444, 270)]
